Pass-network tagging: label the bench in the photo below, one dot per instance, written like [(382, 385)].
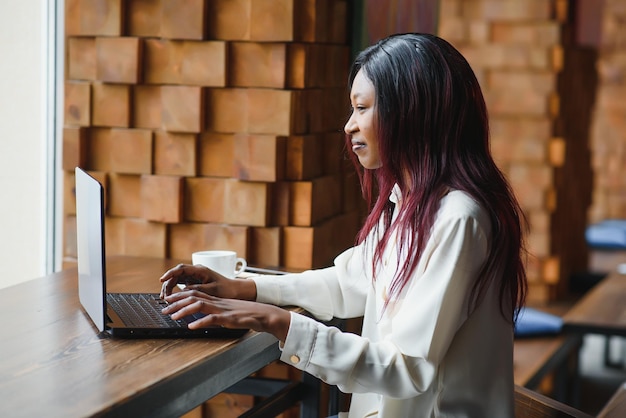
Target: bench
[(616, 406), (536, 359), (548, 363), (530, 404)]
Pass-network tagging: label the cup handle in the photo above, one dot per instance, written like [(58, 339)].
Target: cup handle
[(240, 266)]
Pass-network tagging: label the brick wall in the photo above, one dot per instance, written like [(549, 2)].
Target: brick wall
[(518, 51), (557, 117), (608, 135), (212, 124)]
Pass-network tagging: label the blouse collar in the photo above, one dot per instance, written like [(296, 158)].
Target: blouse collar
[(396, 194)]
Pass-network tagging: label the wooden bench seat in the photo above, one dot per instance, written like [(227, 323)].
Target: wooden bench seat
[(530, 404), (556, 356), (616, 406), (535, 358)]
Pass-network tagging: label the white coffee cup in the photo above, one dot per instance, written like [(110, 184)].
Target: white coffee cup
[(224, 262)]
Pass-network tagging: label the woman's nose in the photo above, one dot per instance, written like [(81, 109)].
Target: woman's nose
[(350, 126)]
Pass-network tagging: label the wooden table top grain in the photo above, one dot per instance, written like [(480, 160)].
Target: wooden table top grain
[(602, 310), (54, 363)]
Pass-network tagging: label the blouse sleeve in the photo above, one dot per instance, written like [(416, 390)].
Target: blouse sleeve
[(423, 324), (335, 292)]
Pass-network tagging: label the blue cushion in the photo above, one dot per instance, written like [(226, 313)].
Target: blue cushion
[(532, 322), (609, 234)]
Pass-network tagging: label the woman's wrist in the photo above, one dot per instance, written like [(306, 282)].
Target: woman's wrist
[(246, 289), (279, 324)]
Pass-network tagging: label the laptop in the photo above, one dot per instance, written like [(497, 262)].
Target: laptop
[(127, 315)]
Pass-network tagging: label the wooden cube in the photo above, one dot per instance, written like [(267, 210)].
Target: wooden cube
[(325, 109), (298, 66), (269, 21), (143, 17), (259, 157), (115, 235), (216, 154), (111, 105), (298, 251), (307, 19), (337, 65), (334, 147), (273, 112), (162, 60), (227, 110), (335, 25), (100, 146), (131, 151), (81, 56), (229, 19), (325, 21), (124, 194), (316, 200), (175, 154), (317, 246), (281, 203), (265, 246), (69, 237), (183, 19), (69, 193), (317, 65), (182, 108), (136, 237), (72, 17), (186, 238), (74, 147), (77, 103), (162, 198), (523, 102), (272, 20), (258, 64), (204, 199), (304, 157), (247, 203), (204, 63), (147, 106), (118, 59), (101, 17)]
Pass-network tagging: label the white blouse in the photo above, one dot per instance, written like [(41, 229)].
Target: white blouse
[(422, 356)]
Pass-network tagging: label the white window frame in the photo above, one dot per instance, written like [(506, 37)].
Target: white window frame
[(52, 132)]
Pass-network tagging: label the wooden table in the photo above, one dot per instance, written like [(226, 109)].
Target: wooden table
[(602, 310), (53, 362)]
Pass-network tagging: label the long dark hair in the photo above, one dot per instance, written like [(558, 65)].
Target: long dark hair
[(433, 135)]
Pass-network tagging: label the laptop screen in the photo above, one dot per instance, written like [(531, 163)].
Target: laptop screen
[(90, 246)]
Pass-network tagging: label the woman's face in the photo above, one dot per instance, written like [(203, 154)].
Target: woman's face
[(362, 123)]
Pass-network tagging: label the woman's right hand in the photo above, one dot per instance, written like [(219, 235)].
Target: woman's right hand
[(229, 313), (205, 280)]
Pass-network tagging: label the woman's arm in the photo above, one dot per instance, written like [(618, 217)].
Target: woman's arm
[(400, 351), (334, 292)]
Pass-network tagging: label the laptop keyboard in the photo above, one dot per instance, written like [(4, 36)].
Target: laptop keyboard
[(143, 310)]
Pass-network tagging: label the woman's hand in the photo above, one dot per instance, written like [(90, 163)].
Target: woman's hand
[(229, 313), (207, 281)]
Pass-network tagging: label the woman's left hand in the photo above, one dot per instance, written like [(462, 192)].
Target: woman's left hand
[(229, 313)]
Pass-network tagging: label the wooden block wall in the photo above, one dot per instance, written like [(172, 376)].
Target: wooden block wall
[(608, 135), (212, 124), (516, 50)]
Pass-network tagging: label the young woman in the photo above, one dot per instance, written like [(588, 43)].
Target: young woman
[(437, 272)]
